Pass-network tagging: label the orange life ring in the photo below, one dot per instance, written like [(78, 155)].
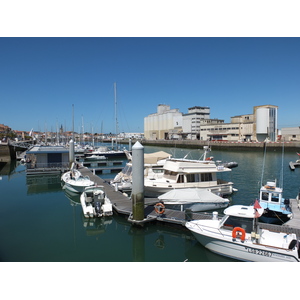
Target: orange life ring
[(241, 230), (159, 208)]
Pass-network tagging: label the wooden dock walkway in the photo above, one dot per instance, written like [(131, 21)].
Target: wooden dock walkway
[(122, 204)]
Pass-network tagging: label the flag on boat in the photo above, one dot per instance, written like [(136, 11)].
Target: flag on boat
[(298, 153), (256, 208)]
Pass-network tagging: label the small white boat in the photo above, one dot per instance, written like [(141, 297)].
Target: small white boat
[(95, 203), (239, 236), (95, 157), (194, 199), (75, 182), (277, 209)]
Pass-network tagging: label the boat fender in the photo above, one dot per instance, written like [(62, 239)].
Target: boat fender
[(159, 208), (240, 230)]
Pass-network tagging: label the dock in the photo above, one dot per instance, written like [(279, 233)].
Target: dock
[(122, 204)]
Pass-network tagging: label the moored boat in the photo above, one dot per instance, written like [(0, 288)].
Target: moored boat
[(194, 199), (95, 202), (238, 235), (277, 209), (75, 182)]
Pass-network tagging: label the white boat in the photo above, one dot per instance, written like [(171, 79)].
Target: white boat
[(106, 152), (95, 203), (193, 199), (277, 209), (239, 236), (75, 182), (153, 168), (95, 157), (181, 173)]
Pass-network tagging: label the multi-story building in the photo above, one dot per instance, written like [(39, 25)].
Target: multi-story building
[(196, 124), (164, 124)]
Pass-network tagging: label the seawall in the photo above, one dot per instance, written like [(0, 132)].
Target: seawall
[(192, 144), (4, 153)]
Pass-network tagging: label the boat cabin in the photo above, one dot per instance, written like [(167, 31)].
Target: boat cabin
[(270, 193), (47, 159), (186, 171), (239, 216)]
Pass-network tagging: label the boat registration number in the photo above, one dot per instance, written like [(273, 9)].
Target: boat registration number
[(259, 252)]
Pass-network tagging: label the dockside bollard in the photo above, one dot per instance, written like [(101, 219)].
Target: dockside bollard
[(137, 194)]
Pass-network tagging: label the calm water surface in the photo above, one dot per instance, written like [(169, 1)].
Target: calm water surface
[(39, 222)]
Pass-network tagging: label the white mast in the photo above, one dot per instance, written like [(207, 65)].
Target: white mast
[(116, 117)]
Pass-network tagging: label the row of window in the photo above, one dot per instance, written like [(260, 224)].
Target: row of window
[(201, 177), (214, 129)]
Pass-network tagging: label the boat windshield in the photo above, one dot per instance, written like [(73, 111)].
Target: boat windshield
[(233, 221)]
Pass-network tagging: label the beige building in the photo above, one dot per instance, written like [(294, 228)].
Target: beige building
[(196, 124), (165, 121), (290, 134)]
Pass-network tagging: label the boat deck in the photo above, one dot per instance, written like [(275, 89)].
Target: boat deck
[(293, 165), (122, 204)]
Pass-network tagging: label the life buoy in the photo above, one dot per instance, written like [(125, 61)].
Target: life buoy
[(159, 208), (241, 230)]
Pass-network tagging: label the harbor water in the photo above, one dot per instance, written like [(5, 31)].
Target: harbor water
[(40, 222)]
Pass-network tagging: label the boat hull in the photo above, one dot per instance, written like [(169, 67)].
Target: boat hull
[(242, 250), (155, 191), (196, 207)]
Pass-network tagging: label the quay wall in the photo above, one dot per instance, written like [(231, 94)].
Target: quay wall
[(222, 145), (4, 153)]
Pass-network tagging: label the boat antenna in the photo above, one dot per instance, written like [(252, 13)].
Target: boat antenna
[(281, 175), (263, 168)]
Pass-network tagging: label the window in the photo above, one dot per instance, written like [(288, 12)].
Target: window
[(245, 223), (206, 177)]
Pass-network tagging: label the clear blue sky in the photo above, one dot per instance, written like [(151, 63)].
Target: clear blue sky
[(41, 78)]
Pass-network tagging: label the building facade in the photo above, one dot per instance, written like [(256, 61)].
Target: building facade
[(197, 124), (162, 124), (290, 134)]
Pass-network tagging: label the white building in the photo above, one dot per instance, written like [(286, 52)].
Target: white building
[(265, 122), (290, 134), (160, 124), (196, 124)]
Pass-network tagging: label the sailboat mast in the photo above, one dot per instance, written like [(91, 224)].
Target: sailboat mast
[(116, 116)]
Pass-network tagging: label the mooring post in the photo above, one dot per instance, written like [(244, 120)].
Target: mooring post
[(71, 153), (137, 194)]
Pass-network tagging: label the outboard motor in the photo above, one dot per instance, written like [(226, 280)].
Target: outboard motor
[(287, 204), (98, 208)]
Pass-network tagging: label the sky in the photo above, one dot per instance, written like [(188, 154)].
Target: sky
[(43, 77)]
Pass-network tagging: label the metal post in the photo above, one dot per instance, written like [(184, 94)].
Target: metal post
[(137, 194), (129, 146), (71, 152)]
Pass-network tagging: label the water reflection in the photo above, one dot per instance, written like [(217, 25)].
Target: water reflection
[(48, 224)]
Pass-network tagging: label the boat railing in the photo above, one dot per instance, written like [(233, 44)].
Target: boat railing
[(210, 228), (30, 165)]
